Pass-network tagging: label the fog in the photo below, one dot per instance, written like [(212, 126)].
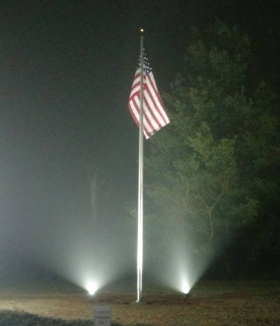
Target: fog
[(76, 223), (172, 260), (49, 220), (66, 73)]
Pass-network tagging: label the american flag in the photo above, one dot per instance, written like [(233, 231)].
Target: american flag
[(154, 115)]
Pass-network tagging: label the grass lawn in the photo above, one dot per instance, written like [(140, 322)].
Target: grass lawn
[(210, 304)]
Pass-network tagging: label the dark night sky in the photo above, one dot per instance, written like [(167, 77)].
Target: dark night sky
[(66, 70)]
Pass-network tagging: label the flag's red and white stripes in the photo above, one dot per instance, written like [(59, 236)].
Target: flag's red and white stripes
[(154, 115)]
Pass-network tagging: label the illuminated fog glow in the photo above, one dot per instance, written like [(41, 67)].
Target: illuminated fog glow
[(176, 266), (86, 253)]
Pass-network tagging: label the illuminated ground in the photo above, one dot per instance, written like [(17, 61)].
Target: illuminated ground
[(254, 303)]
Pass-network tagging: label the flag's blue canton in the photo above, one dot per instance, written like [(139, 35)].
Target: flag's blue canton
[(147, 66)]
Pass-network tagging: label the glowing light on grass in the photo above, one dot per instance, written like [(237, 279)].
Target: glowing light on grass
[(185, 287), (85, 253), (180, 266), (91, 287)]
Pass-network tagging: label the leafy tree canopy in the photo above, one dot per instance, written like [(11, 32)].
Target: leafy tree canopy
[(215, 167)]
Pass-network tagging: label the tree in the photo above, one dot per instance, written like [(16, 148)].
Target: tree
[(211, 168)]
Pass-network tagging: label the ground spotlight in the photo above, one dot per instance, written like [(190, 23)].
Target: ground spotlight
[(185, 287), (186, 290), (91, 287), (186, 297)]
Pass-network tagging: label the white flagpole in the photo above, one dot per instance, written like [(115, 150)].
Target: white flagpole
[(140, 179)]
